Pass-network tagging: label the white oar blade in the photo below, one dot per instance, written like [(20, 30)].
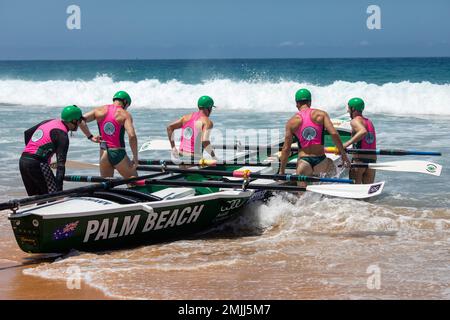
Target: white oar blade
[(409, 166), (155, 145), (352, 191)]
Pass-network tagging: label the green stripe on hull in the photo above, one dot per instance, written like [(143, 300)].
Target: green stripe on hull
[(137, 224), (96, 232)]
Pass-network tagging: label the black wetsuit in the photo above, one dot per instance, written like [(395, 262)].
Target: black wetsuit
[(37, 175)]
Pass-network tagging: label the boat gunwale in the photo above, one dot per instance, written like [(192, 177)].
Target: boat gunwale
[(145, 206)]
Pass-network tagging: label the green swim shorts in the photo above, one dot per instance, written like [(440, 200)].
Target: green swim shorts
[(314, 161), (116, 155)]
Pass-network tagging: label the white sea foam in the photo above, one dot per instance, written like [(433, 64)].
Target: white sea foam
[(395, 98)]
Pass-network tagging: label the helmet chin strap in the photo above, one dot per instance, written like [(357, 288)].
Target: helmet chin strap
[(351, 113)]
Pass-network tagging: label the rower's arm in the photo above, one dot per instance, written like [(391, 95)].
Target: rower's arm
[(132, 138), (88, 117), (286, 151), (171, 128), (336, 138), (61, 140), (206, 131), (359, 130)]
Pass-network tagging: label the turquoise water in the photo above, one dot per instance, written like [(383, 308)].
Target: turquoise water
[(314, 71), (408, 100), (296, 244)]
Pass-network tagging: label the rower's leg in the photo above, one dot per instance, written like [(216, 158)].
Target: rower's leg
[(106, 169), (369, 176), (325, 166), (303, 168), (357, 174), (125, 168)]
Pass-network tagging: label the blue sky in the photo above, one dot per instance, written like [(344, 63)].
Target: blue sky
[(157, 29)]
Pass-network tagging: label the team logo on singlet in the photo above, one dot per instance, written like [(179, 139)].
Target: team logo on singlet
[(309, 133), (370, 138), (188, 133), (109, 128), (37, 135)]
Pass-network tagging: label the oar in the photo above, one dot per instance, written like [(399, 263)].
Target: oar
[(245, 174), (400, 166), (105, 184), (352, 191), (236, 173), (200, 162), (404, 166), (165, 145), (386, 152)]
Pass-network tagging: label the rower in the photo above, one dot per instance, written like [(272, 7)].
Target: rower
[(42, 141), (363, 137), (195, 132), (307, 125), (113, 120)]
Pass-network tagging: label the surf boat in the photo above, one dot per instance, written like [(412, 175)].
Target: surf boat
[(173, 203)]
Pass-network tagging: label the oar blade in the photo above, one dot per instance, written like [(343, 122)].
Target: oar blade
[(155, 145), (417, 166), (351, 191)]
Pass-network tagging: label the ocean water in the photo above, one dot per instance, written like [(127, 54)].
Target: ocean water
[(308, 247)]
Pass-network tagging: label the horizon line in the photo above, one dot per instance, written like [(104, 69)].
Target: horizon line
[(225, 58)]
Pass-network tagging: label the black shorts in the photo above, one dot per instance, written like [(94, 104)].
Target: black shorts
[(37, 176)]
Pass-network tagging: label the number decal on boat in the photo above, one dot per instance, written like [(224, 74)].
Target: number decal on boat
[(232, 204)]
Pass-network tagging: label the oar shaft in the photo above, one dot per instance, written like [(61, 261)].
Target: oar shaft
[(220, 184), (47, 197), (74, 178), (243, 174), (209, 162), (211, 184), (393, 152), (104, 184), (356, 191), (388, 152), (201, 162)]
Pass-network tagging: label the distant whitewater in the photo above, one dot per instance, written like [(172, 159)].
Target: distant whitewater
[(263, 96)]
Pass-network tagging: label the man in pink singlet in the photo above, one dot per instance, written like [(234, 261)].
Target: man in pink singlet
[(363, 137), (195, 131), (308, 125), (43, 141), (113, 121)]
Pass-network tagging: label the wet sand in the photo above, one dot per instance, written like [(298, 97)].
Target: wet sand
[(307, 249), (14, 285)]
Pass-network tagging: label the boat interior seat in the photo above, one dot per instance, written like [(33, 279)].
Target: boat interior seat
[(125, 196), (116, 197), (174, 193), (137, 194)]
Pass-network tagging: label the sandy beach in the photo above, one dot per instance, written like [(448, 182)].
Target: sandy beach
[(14, 285)]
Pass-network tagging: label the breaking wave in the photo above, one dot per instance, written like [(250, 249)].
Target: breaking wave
[(394, 98)]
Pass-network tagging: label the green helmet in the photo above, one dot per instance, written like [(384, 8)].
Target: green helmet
[(122, 95), (303, 94), (205, 102), (71, 113), (356, 104)]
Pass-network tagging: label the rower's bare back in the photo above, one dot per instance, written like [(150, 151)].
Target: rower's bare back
[(120, 115), (203, 122), (318, 118)]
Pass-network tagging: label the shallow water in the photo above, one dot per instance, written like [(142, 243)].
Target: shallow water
[(394, 246), (313, 247)]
